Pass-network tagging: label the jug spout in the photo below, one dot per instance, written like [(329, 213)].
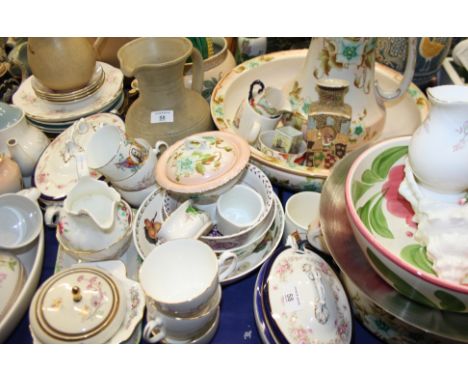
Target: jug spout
[(95, 199), (20, 156)]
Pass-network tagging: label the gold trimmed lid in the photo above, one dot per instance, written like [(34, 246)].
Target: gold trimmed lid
[(202, 162), (12, 278), (82, 304)]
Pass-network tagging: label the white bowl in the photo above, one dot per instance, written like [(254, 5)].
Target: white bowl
[(135, 198)]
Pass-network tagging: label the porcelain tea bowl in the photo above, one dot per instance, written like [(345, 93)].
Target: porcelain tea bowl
[(181, 276), (265, 145), (94, 224), (252, 177), (144, 176), (20, 219), (382, 222), (303, 300), (301, 210), (78, 305), (202, 166), (181, 328), (135, 198)]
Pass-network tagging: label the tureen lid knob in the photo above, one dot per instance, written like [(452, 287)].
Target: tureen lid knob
[(76, 294)]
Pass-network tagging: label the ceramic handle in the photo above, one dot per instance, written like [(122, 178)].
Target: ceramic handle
[(151, 326), (225, 257), (197, 71), (254, 131), (407, 75), (321, 309), (158, 145), (51, 215)]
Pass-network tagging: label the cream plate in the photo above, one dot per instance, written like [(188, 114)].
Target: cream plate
[(56, 172), (279, 69), (12, 278), (304, 300), (45, 111), (32, 258), (126, 270)]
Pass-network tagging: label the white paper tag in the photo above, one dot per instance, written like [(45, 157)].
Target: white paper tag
[(290, 297), (81, 165), (162, 116)]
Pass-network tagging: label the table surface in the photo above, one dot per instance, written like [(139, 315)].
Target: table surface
[(237, 322)]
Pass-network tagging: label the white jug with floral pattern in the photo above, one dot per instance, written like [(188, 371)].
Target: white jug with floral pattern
[(351, 59)]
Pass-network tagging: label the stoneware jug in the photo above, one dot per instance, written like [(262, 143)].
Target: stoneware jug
[(10, 175), (62, 63), (24, 142), (165, 109), (353, 60), (438, 150)]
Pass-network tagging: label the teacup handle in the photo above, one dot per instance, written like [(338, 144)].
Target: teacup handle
[(158, 145), (51, 215), (253, 133), (407, 74), (226, 256), (150, 327)]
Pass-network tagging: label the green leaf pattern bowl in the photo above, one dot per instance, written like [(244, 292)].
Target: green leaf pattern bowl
[(381, 220)]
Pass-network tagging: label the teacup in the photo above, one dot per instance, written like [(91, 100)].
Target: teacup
[(186, 221), (135, 198), (144, 176), (260, 113), (265, 145), (113, 154), (163, 325), (181, 276), (301, 209), (238, 209), (20, 219)]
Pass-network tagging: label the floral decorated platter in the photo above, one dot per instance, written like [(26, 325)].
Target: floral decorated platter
[(304, 301), (125, 269), (31, 258), (44, 111), (279, 69), (388, 314), (56, 171), (150, 216), (202, 162), (383, 225), (12, 277)]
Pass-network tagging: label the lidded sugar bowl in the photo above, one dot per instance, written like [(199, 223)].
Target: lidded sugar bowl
[(208, 163), (78, 305)]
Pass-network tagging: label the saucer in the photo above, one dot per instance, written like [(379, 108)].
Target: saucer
[(44, 111)]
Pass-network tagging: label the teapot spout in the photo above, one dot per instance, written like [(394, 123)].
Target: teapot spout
[(20, 156)]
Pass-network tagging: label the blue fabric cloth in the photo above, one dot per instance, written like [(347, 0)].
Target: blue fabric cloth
[(237, 322)]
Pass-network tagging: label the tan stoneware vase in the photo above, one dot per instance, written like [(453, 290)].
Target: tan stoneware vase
[(165, 109), (62, 63)]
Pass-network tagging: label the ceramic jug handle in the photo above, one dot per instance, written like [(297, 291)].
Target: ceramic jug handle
[(226, 256), (407, 75), (158, 145), (197, 71), (51, 214), (150, 327)]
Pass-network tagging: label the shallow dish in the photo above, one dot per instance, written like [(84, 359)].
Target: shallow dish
[(279, 69), (382, 224), (32, 258)]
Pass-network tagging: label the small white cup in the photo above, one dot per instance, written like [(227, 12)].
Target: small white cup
[(20, 219), (302, 213), (162, 325), (113, 154), (181, 276), (185, 222), (250, 123), (238, 209)]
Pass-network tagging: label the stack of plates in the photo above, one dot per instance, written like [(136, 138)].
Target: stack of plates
[(52, 112)]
